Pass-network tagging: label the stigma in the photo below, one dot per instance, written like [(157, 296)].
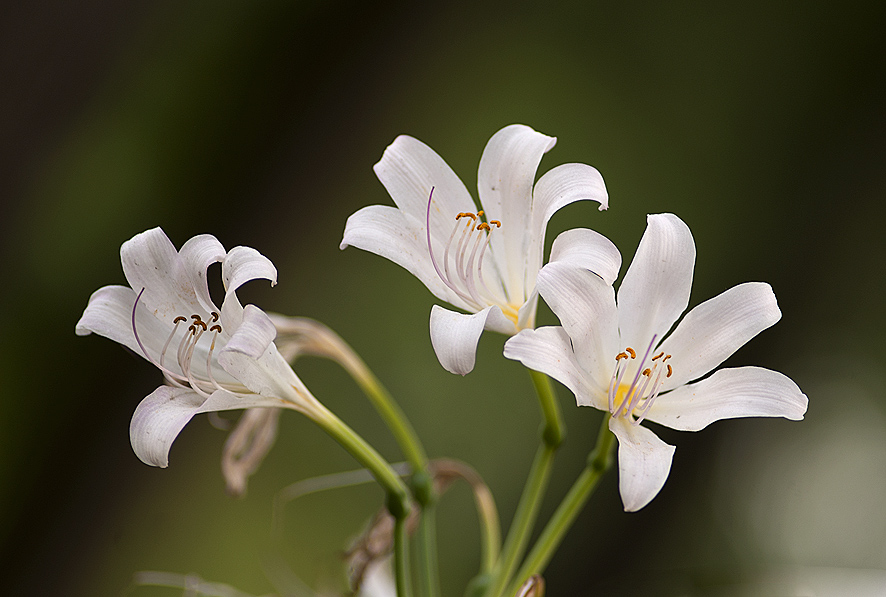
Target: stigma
[(632, 400), (461, 267)]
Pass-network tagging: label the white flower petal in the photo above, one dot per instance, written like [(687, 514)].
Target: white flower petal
[(150, 261), (161, 416), (585, 305), (243, 264), (556, 188), (454, 337), (408, 169), (194, 258), (589, 250), (644, 462), (109, 314), (387, 232), (729, 394), (505, 178), (549, 350), (254, 334), (716, 328), (655, 289)]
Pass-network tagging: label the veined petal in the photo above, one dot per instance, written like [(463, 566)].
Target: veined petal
[(655, 290), (150, 261), (243, 264), (716, 328), (589, 250), (729, 394), (556, 188), (109, 314), (549, 350), (454, 336), (389, 233), (269, 375), (505, 177), (194, 258), (254, 334), (585, 305), (161, 416), (408, 169), (644, 462)]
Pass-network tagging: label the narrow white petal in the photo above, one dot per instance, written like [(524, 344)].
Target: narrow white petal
[(161, 416), (567, 184), (408, 169), (243, 264), (729, 394), (589, 250), (585, 305), (505, 178), (715, 329), (454, 337), (644, 462), (109, 314), (549, 350), (254, 334), (195, 257), (389, 233), (655, 289), (268, 374), (150, 261)]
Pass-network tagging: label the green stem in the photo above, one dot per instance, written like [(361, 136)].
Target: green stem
[(401, 560), (552, 436), (524, 518), (427, 552), (554, 431), (599, 461), (398, 495)]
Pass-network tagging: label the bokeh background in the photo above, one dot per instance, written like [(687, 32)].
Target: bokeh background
[(762, 125)]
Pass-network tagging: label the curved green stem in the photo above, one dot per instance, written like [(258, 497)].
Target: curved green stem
[(398, 495), (599, 461)]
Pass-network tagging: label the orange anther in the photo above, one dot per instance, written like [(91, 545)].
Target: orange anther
[(179, 319), (670, 371), (647, 372), (658, 356), (495, 223), (631, 352)]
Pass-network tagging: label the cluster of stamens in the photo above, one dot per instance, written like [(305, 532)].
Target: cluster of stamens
[(644, 388), (467, 246), (185, 352)]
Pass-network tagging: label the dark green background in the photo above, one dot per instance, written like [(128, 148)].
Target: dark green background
[(762, 125)]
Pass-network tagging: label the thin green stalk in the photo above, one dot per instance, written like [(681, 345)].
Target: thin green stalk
[(429, 581), (599, 461), (552, 436), (398, 495), (554, 431), (401, 560), (524, 518)]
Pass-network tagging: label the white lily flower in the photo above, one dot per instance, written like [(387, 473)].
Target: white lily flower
[(485, 262), (212, 359), (613, 354)]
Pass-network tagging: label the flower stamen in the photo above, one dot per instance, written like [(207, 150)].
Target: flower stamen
[(634, 401), (464, 276)]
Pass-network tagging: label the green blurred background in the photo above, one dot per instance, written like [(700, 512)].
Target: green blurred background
[(762, 125)]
